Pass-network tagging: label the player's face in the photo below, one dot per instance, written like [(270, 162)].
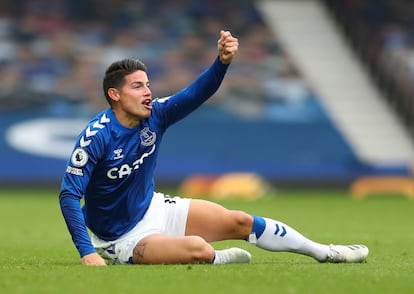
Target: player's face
[(135, 98)]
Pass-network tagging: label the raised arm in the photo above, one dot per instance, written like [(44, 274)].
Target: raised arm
[(174, 108)]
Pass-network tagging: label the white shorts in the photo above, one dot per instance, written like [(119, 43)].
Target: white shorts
[(165, 215)]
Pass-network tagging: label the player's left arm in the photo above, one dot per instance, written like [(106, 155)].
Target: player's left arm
[(188, 99)]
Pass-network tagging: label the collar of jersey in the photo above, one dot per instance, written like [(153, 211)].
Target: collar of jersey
[(115, 121)]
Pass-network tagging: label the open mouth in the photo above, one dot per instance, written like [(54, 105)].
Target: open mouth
[(148, 103)]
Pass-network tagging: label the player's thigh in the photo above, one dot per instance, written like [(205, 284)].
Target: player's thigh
[(214, 222), (161, 249)]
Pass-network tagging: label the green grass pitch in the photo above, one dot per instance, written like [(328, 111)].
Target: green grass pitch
[(37, 255)]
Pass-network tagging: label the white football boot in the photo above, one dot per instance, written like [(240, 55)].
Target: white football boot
[(347, 254), (232, 255)]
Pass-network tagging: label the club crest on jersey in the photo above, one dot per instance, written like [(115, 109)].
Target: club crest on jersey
[(79, 157), (147, 137)]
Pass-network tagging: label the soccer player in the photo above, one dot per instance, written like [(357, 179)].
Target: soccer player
[(112, 168)]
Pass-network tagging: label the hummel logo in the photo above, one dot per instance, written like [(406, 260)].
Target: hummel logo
[(89, 133), (118, 154)]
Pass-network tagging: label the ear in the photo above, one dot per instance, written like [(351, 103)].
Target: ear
[(114, 94)]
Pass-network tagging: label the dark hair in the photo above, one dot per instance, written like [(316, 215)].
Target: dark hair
[(115, 73)]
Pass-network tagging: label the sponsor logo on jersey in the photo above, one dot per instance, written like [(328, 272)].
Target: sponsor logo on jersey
[(126, 169), (79, 157), (147, 137)]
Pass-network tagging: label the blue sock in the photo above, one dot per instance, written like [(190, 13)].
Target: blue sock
[(259, 225)]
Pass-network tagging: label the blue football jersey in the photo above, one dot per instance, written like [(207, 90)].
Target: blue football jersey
[(112, 166)]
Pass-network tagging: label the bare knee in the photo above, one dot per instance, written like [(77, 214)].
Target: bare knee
[(243, 223), (243, 219), (200, 251)]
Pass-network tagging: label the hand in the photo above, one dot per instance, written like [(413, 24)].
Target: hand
[(93, 259), (227, 47)]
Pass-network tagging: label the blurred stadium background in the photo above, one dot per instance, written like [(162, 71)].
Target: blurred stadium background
[(321, 92)]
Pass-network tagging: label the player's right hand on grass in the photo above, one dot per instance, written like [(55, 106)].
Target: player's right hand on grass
[(93, 259)]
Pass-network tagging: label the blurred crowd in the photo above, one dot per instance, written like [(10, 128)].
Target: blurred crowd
[(383, 31), (53, 53)]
